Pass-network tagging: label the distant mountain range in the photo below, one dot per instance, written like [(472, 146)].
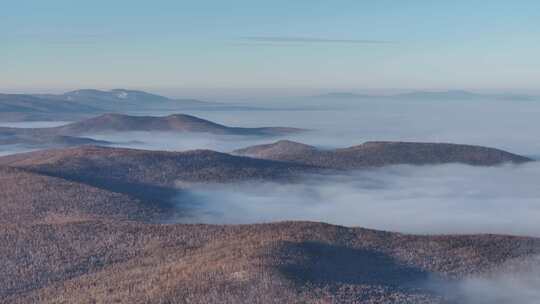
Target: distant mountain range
[(344, 95), (20, 103), (81, 103), (432, 95), (122, 99), (49, 141)]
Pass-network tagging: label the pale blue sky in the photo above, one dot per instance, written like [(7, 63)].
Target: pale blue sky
[(61, 44)]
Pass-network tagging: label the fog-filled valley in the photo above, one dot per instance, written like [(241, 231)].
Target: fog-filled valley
[(424, 200), (502, 124), (454, 182), (268, 152), (416, 199)]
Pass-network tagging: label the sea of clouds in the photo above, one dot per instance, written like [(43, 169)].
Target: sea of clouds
[(426, 199), (416, 199), (442, 199)]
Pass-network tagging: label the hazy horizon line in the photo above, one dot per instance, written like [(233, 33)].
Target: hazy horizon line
[(301, 91)]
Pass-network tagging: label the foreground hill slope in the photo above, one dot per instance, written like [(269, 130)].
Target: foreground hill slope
[(372, 154), (290, 262)]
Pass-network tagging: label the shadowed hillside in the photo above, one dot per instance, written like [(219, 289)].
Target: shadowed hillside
[(290, 262), (371, 154), (157, 175), (28, 197), (149, 174)]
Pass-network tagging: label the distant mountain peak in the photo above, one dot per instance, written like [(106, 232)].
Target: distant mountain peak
[(446, 94), (122, 94), (426, 94), (83, 91), (462, 94), (343, 95), (113, 95)]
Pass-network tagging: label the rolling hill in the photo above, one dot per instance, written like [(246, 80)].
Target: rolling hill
[(73, 134), (110, 123), (172, 123), (376, 154), (157, 175), (149, 175)]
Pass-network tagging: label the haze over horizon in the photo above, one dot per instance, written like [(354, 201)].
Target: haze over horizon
[(183, 48)]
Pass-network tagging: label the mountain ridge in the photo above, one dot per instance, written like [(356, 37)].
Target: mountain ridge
[(432, 95), (77, 133), (82, 103), (112, 122), (381, 153)]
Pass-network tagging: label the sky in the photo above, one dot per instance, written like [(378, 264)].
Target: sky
[(347, 45)]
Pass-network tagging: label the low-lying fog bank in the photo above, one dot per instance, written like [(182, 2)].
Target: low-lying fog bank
[(519, 284), (440, 199), (33, 124), (500, 124), (424, 199), (14, 149), (505, 125), (168, 141)]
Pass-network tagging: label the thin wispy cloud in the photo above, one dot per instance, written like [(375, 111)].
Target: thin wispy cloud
[(266, 44), (303, 40), (59, 37)]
